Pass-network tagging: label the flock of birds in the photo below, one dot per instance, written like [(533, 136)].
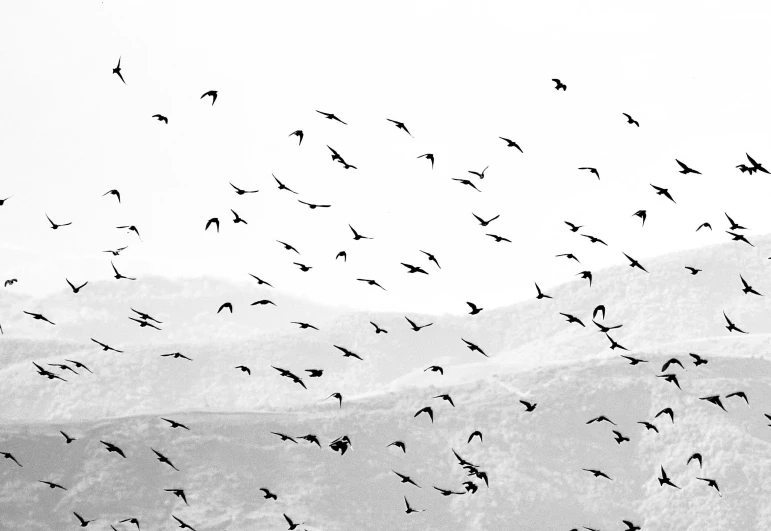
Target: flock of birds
[(343, 443)]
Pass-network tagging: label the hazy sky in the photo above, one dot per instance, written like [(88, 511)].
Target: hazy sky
[(458, 74)]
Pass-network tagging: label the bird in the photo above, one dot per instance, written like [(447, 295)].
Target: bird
[(672, 378), (304, 268), (755, 165), (747, 288), (474, 308), (260, 281), (698, 360), (483, 222), (299, 134), (76, 289), (347, 353), (704, 225), (303, 326), (405, 479), (38, 317), (237, 218), (284, 437), (399, 125), (67, 438), (106, 347), (241, 191), (212, 93), (117, 70), (225, 306), (667, 411), (338, 396), (711, 483), (213, 221), (631, 120), (314, 373), (481, 174), (427, 410), (79, 365), (732, 327), (634, 263), (697, 457), (642, 214), (598, 473), (601, 418), (330, 116), (357, 236), (399, 444), (664, 479), (8, 455), (55, 226), (409, 507), (145, 316), (288, 247), (529, 406), (312, 205), (50, 484), (572, 319), (2, 201), (467, 183), (663, 191), (498, 239), (428, 156), (591, 170), (435, 368), (739, 238), (268, 495), (174, 424), (431, 258), (340, 444), (560, 85), (10, 282), (693, 270), (541, 295), (160, 118), (415, 327), (371, 283), (569, 256), (245, 369), (447, 398), (619, 437), (116, 193), (378, 330), (649, 426), (182, 524), (573, 226), (282, 186), (586, 275), (179, 493), (414, 269), (475, 433), (116, 252), (734, 225), (163, 459), (740, 394), (134, 521), (671, 361), (446, 492), (470, 486), (112, 448), (118, 276), (131, 228), (715, 399), (83, 521), (599, 308), (594, 239), (511, 143), (685, 169)]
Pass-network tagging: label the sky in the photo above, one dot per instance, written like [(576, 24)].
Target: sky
[(459, 75)]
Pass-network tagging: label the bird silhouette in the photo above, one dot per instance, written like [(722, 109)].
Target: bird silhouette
[(313, 206), (601, 418), (260, 281), (594, 239), (481, 174), (663, 191), (330, 116), (475, 433), (755, 165), (314, 373), (715, 399), (55, 226), (215, 222), (304, 326), (284, 437), (241, 191), (112, 448), (117, 71), (337, 396), (747, 288), (8, 455), (410, 510), (732, 327), (740, 394), (399, 444), (244, 368), (619, 438), (498, 239), (371, 283), (282, 186), (118, 276), (38, 317), (428, 411), (447, 398), (598, 473), (631, 120), (179, 493), (435, 368), (529, 406), (212, 93), (573, 226), (134, 521), (591, 170), (634, 263), (288, 247), (106, 347), (704, 225), (174, 424), (116, 193), (697, 457), (163, 459), (299, 134), (664, 479), (67, 438), (347, 353), (698, 360), (667, 411), (267, 494), (511, 143), (560, 85), (711, 483), (483, 222), (378, 330), (739, 238), (405, 479), (76, 289), (572, 319), (50, 484), (467, 183), (357, 236), (734, 225), (415, 327), (693, 270), (304, 268), (428, 156), (431, 258), (83, 521), (225, 306), (569, 256), (586, 275), (541, 295), (474, 308), (414, 269), (672, 378), (399, 125), (649, 426), (161, 118), (642, 214), (599, 308), (182, 525), (79, 365)]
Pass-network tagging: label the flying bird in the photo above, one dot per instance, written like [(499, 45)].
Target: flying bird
[(601, 418), (214, 221), (704, 225), (174, 424), (427, 410), (330, 116), (212, 93), (117, 70), (698, 360), (282, 186), (38, 317), (118, 276), (78, 288), (356, 235), (161, 118), (642, 214), (260, 281), (112, 448), (569, 256), (378, 330), (415, 327), (429, 156), (414, 269), (663, 191), (598, 473), (8, 455), (83, 521), (667, 411), (631, 120), (268, 495), (711, 483), (755, 165), (288, 247), (50, 484), (163, 459), (244, 368), (697, 457), (715, 399), (693, 270), (467, 183), (541, 295), (586, 275), (304, 268), (371, 283), (734, 225), (572, 319), (447, 398), (685, 169), (594, 239), (732, 327), (560, 85), (225, 306), (498, 239), (475, 433), (116, 193), (435, 368), (179, 493), (106, 347), (573, 226), (67, 438), (338, 396), (313, 206), (481, 174), (747, 288), (529, 406), (740, 394), (405, 479), (182, 524), (664, 479), (591, 170), (399, 125), (511, 143), (739, 238), (634, 263), (299, 134), (619, 437), (399, 444), (409, 507), (474, 308), (483, 222), (55, 226), (431, 258), (240, 191)]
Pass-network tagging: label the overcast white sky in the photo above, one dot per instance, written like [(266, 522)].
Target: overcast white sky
[(459, 74)]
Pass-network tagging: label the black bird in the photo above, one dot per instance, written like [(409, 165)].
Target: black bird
[(428, 410), (470, 486), (740, 394), (631, 120), (263, 302), (224, 306), (415, 327), (586, 275), (642, 214), (10, 282), (630, 526), (405, 479), (573, 227), (116, 70), (38, 317), (598, 473), (212, 93), (685, 169), (83, 521), (174, 424), (474, 308), (483, 222), (541, 295), (8, 455), (591, 170), (446, 492), (667, 411), (409, 507), (594, 239), (214, 221), (48, 374), (705, 224), (371, 283), (414, 269), (671, 361), (498, 239), (116, 252), (76, 289), (663, 191), (429, 156), (182, 524), (435, 368), (598, 309), (105, 347), (260, 281), (245, 369), (282, 186), (569, 256), (357, 236), (304, 268), (698, 360), (672, 378), (747, 288), (163, 459), (619, 437), (314, 373), (560, 85), (734, 225), (431, 258), (63, 367), (298, 134), (131, 228), (511, 143), (343, 255), (292, 525), (446, 397), (2, 201), (711, 483), (268, 495), (715, 399), (288, 247), (311, 439), (732, 327), (116, 193), (303, 326), (529, 406), (179, 493), (693, 270), (399, 444), (697, 457), (601, 418), (161, 118), (340, 444), (481, 174), (664, 480), (312, 205), (475, 433), (467, 183), (118, 276), (145, 316), (240, 191), (649, 426), (338, 396), (79, 365), (330, 116), (634, 263), (378, 330), (572, 319), (57, 225), (739, 238), (112, 448), (399, 125), (347, 353), (67, 438), (284, 437), (134, 521), (755, 165), (50, 484)]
